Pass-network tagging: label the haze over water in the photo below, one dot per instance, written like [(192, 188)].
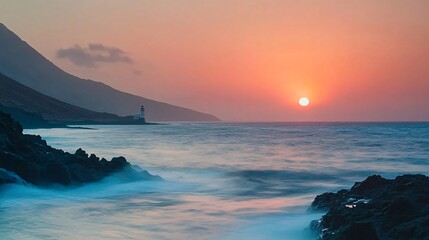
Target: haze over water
[(222, 180)]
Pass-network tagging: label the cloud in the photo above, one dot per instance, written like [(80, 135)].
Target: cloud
[(93, 55), (137, 72)]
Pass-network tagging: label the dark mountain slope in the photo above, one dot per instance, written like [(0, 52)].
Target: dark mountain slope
[(21, 62), (25, 104)]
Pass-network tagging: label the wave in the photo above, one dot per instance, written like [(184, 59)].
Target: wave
[(8, 177)]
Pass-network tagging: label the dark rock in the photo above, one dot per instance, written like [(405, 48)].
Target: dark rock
[(376, 208), (359, 231), (118, 162), (94, 159), (29, 158), (81, 153)]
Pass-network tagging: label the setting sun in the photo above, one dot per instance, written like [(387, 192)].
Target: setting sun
[(304, 101)]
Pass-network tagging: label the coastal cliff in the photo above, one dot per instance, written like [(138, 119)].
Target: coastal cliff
[(28, 158), (375, 209)]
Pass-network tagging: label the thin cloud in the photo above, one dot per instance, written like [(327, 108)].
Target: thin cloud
[(137, 72), (93, 55)]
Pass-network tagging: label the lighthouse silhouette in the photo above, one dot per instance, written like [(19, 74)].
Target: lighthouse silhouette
[(142, 117)]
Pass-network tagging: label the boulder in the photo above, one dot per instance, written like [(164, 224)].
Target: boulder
[(376, 208)]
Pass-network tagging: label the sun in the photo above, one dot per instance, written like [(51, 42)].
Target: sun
[(304, 101)]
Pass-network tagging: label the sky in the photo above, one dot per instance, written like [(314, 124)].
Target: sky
[(244, 60)]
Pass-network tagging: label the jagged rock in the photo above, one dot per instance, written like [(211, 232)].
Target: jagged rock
[(31, 159), (376, 208)]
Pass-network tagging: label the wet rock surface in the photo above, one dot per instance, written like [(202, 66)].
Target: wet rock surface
[(376, 208), (29, 158)]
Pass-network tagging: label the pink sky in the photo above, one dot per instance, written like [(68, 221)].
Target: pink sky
[(248, 60)]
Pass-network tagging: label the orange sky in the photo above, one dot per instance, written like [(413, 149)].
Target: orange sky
[(249, 60)]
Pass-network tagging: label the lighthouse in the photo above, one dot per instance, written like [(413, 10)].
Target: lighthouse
[(142, 117)]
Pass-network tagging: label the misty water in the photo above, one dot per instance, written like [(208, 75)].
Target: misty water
[(221, 180)]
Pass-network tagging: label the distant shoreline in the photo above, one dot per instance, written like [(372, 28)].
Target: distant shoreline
[(79, 125)]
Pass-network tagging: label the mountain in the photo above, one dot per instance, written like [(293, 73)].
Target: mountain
[(19, 61), (33, 109)]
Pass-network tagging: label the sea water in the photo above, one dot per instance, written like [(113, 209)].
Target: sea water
[(221, 180)]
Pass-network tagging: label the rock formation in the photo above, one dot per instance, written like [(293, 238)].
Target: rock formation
[(376, 208), (28, 158)]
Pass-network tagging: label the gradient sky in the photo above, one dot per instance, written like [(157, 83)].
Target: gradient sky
[(248, 60)]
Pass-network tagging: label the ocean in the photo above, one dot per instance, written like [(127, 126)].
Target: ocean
[(221, 180)]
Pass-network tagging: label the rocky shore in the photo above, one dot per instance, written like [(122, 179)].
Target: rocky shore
[(28, 159), (376, 208)]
